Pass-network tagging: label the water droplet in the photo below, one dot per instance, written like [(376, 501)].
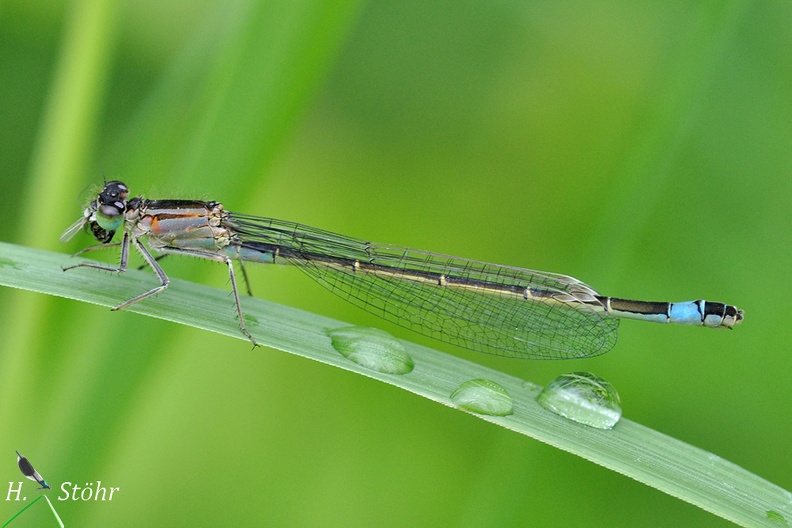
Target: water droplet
[(776, 518), (484, 397), (371, 348), (584, 398), (8, 263)]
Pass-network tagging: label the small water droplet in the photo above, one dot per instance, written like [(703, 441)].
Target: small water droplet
[(371, 348), (483, 396), (8, 263), (776, 518), (251, 321), (584, 398)]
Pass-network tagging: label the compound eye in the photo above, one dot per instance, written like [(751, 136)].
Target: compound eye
[(115, 194), (111, 211), (110, 207)]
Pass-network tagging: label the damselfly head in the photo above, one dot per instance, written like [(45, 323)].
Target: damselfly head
[(103, 215), (112, 199), (732, 316)]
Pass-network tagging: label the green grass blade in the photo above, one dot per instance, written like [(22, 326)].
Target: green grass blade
[(57, 517), (662, 462), (20, 512)]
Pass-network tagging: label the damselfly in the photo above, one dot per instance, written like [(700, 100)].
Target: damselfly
[(490, 308)]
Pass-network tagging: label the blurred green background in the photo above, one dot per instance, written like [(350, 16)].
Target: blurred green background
[(642, 147)]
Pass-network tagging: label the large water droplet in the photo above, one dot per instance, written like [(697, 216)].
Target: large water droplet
[(8, 263), (251, 321), (776, 518), (483, 396), (371, 348), (584, 398)]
